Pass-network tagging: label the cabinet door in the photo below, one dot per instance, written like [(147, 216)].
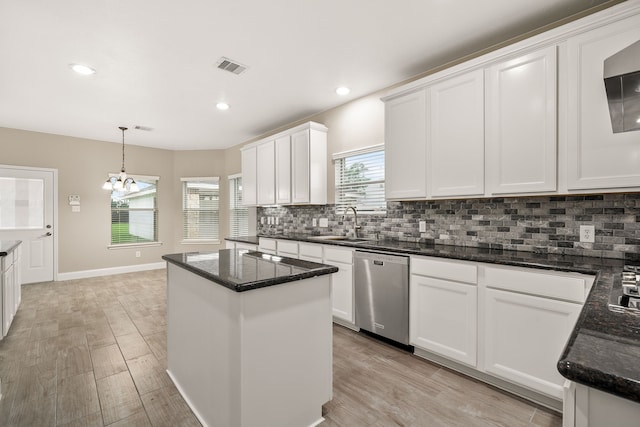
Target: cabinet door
[(249, 176), (266, 173), (300, 167), (405, 146), (7, 299), (443, 318), (342, 291), (521, 124), (455, 148), (524, 336), (283, 170), (597, 157)]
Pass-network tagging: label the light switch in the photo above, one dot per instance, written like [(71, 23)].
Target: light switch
[(324, 222), (423, 226)]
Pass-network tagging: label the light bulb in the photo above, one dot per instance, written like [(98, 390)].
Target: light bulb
[(222, 106), (342, 90), (134, 187), (119, 185), (107, 185), (82, 69)]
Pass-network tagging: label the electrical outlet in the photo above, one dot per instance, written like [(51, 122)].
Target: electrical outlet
[(314, 222), (587, 233), (138, 254), (423, 226)]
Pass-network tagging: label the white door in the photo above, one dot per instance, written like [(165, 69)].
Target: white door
[(27, 214)]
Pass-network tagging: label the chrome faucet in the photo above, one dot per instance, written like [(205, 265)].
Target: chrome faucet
[(356, 227)]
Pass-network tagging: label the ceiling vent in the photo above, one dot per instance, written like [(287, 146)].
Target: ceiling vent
[(231, 66), (144, 128)]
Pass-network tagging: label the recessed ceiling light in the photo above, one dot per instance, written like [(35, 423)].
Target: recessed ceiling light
[(82, 69), (222, 106), (342, 90)]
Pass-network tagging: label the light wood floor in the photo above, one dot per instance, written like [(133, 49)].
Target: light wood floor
[(92, 352)]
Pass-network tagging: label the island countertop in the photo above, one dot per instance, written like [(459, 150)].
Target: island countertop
[(240, 270), (7, 246)]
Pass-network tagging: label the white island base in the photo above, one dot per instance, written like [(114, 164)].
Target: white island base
[(258, 358)]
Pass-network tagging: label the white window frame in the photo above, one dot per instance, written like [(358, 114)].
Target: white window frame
[(156, 210), (340, 157), (200, 241)]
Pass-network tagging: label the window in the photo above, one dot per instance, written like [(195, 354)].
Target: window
[(360, 180), (238, 214), (134, 215), (200, 208)]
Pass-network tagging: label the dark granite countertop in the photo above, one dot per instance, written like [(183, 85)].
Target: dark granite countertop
[(242, 271), (604, 347), (7, 246)]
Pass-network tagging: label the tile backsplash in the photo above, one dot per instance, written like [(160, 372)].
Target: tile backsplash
[(546, 224)]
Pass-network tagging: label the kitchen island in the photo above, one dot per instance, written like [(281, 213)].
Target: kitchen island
[(249, 338)]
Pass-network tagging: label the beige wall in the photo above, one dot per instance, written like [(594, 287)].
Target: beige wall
[(83, 166)]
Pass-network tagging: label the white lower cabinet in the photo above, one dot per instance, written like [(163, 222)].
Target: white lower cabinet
[(524, 336), (443, 312), (341, 282), (587, 407), (267, 245), (10, 289), (528, 316), (287, 248)]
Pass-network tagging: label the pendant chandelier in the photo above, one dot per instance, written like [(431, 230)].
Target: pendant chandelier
[(121, 182)]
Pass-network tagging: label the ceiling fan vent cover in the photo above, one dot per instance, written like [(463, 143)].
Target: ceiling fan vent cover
[(231, 66)]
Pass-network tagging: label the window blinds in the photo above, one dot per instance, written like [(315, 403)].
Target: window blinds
[(238, 214), (200, 207), (359, 177)]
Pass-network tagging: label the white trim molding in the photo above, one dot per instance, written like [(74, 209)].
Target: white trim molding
[(84, 274)]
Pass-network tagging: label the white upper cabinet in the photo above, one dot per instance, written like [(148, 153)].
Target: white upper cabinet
[(249, 175), (405, 146), (598, 158), (309, 165), (266, 173), (283, 170), (521, 140), (455, 145), (287, 168)]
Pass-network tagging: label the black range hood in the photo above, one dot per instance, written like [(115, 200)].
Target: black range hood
[(622, 83)]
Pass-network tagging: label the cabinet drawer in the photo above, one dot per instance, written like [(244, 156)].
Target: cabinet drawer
[(289, 248), (558, 285), (338, 255), (245, 246), (445, 269), (310, 250), (269, 244)]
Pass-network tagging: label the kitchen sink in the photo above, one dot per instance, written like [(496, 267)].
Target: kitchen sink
[(337, 238)]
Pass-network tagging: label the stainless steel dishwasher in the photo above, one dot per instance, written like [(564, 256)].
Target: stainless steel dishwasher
[(382, 294)]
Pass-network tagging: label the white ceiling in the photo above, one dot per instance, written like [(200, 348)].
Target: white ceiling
[(156, 60)]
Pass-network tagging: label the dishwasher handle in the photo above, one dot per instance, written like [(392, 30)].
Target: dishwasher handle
[(380, 258)]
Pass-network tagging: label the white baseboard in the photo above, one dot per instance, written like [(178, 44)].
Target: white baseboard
[(109, 271)]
